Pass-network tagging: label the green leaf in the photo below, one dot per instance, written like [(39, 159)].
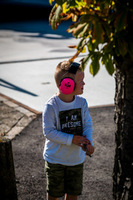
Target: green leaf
[(94, 66), (98, 32), (122, 46), (107, 28), (108, 47), (86, 18), (78, 29), (84, 62), (82, 28), (85, 31), (121, 21), (55, 19), (91, 46), (107, 61), (81, 44), (110, 67)]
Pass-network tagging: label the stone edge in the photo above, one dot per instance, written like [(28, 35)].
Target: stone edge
[(27, 112)]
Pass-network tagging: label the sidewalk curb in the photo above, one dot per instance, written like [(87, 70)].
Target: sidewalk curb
[(13, 103), (26, 115)]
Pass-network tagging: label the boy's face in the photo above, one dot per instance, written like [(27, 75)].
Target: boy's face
[(79, 79)]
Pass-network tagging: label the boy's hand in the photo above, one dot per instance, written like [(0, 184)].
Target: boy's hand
[(80, 140), (89, 149)]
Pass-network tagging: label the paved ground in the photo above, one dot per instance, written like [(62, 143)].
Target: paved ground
[(29, 53), (13, 118), (28, 148)]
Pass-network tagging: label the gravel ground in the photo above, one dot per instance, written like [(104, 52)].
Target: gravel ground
[(29, 163)]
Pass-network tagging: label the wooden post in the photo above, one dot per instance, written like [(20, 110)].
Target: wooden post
[(8, 189)]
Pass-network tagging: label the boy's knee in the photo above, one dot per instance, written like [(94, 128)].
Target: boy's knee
[(70, 197), (50, 197)]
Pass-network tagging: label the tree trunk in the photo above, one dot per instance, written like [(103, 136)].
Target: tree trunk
[(7, 174), (123, 163)]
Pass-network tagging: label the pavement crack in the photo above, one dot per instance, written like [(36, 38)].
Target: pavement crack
[(18, 120)]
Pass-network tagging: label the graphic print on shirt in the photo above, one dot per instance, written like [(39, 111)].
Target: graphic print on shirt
[(71, 121)]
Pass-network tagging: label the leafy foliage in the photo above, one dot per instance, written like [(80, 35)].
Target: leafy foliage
[(103, 26)]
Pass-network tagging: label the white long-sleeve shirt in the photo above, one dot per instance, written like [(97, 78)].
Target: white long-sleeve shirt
[(60, 121)]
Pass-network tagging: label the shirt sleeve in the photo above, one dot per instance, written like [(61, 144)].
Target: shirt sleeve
[(50, 129), (87, 124)]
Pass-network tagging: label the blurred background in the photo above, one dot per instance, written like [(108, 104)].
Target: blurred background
[(30, 50), (11, 10)]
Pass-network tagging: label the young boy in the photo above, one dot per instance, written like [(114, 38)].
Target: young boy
[(67, 127)]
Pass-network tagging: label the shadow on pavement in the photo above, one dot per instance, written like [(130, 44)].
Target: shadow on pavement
[(11, 86)]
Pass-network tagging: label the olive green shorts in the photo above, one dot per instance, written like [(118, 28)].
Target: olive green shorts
[(63, 179)]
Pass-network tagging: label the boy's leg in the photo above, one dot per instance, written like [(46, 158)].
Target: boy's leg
[(55, 180), (73, 181), (51, 198), (70, 197)]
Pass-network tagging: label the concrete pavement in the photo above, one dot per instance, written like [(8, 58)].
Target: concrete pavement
[(29, 53)]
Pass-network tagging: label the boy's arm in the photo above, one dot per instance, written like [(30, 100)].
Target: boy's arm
[(87, 124), (50, 130), (87, 131), (52, 134)]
